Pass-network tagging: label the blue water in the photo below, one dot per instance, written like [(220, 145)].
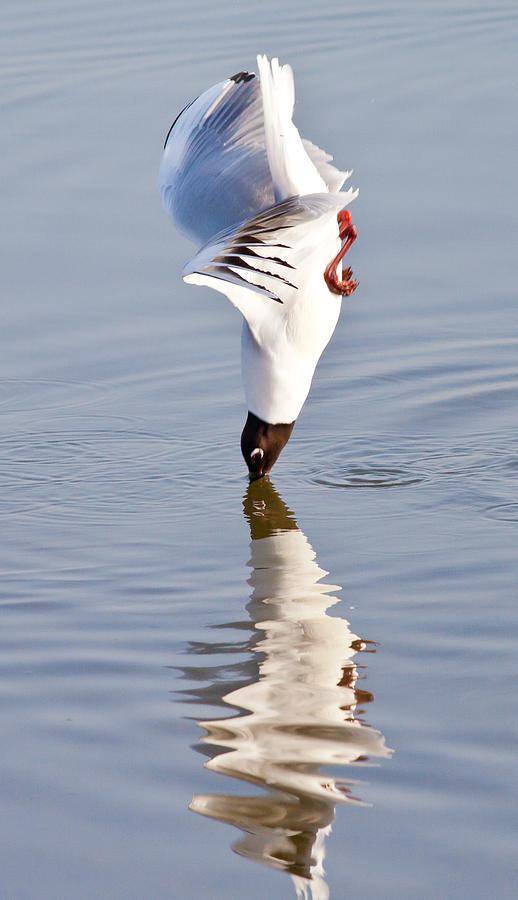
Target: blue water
[(320, 671)]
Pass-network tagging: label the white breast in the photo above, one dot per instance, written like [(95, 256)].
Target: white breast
[(279, 358)]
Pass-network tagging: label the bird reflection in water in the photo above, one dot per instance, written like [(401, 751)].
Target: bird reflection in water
[(300, 712)]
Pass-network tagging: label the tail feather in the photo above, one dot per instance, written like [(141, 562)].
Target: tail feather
[(292, 170)]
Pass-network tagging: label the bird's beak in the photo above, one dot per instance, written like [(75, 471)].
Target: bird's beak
[(256, 458)]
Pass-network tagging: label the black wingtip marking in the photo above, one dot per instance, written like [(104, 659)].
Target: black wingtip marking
[(238, 78), (248, 251), (176, 120), (234, 259), (242, 76), (234, 274)]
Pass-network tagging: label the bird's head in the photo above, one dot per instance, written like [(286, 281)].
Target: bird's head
[(261, 444)]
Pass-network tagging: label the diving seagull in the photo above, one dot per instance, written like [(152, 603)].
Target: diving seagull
[(268, 210)]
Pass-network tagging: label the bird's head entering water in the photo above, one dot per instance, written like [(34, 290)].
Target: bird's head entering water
[(261, 444)]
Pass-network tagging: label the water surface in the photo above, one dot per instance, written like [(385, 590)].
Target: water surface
[(353, 741)]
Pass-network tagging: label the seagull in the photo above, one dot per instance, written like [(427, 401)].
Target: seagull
[(267, 209)]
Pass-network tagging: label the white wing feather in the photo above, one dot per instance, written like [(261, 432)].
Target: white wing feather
[(261, 264), (332, 176), (292, 170)]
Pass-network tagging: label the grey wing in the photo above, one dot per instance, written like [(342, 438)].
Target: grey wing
[(214, 171)]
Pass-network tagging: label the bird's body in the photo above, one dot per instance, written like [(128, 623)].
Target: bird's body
[(237, 177)]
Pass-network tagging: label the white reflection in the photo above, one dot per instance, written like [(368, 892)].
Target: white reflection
[(300, 713)]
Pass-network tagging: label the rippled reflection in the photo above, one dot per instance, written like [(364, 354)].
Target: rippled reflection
[(300, 712)]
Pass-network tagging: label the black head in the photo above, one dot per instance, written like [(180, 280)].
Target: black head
[(261, 444)]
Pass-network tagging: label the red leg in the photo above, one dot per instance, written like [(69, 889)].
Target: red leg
[(344, 220), (345, 285)]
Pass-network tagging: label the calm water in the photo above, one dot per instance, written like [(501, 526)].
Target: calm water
[(317, 673)]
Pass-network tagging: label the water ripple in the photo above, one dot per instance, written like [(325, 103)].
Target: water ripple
[(484, 464), (30, 394), (374, 476), (504, 512), (85, 474)]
